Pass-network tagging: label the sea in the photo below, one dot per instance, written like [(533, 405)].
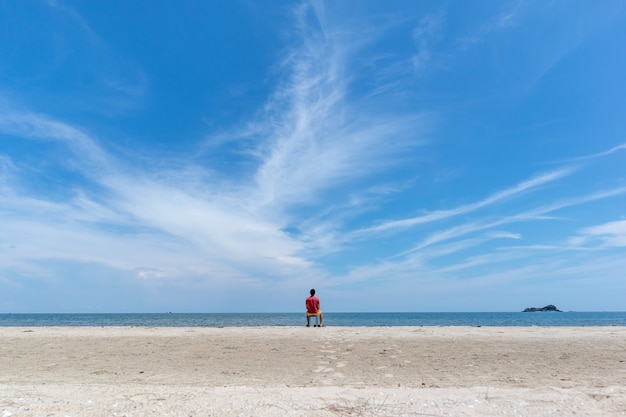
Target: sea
[(330, 319)]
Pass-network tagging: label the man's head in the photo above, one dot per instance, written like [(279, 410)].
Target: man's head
[(312, 292)]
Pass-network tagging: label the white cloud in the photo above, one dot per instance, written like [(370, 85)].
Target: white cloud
[(611, 234), (132, 221), (523, 187), (425, 37), (504, 235), (533, 214), (599, 154), (35, 126), (504, 20), (314, 137)]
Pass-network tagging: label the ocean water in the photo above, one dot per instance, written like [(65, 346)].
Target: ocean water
[(330, 319)]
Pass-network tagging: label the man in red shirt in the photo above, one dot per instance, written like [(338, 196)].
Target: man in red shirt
[(313, 309)]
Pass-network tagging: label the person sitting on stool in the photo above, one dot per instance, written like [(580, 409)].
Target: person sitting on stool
[(313, 309)]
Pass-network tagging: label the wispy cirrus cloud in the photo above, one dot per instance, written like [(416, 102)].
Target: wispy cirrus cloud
[(131, 210), (598, 154), (539, 213), (607, 235), (316, 137), (426, 36), (506, 19), (447, 242), (40, 127), (519, 189)]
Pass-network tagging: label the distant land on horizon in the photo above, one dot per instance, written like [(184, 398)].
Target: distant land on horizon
[(548, 308)]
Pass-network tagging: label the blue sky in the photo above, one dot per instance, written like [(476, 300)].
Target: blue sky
[(204, 156)]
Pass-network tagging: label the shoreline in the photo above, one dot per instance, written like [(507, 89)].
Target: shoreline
[(277, 371), (566, 319)]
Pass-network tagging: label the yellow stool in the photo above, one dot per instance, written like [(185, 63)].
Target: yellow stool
[(317, 318)]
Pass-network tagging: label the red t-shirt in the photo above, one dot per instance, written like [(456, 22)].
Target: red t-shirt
[(312, 304)]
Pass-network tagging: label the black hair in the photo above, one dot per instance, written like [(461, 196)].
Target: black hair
[(312, 291)]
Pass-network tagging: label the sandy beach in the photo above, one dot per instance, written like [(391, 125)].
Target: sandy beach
[(299, 371)]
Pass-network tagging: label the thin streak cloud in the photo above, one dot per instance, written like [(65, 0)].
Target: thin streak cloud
[(495, 198)]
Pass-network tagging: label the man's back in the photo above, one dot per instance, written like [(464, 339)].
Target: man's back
[(312, 304)]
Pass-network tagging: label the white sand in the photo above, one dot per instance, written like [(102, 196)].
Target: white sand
[(298, 371)]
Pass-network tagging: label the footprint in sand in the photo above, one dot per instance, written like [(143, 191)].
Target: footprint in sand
[(328, 363), (322, 369)]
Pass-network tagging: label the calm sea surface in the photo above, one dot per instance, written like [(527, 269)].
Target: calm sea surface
[(330, 319)]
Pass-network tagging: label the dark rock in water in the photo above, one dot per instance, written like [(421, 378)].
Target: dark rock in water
[(549, 307)]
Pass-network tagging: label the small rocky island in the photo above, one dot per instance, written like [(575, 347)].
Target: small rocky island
[(549, 307)]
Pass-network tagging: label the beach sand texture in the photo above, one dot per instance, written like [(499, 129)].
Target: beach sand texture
[(330, 371)]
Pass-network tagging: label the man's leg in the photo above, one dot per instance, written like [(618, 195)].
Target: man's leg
[(308, 320), (321, 319)]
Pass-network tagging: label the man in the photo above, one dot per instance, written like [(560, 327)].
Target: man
[(313, 309)]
